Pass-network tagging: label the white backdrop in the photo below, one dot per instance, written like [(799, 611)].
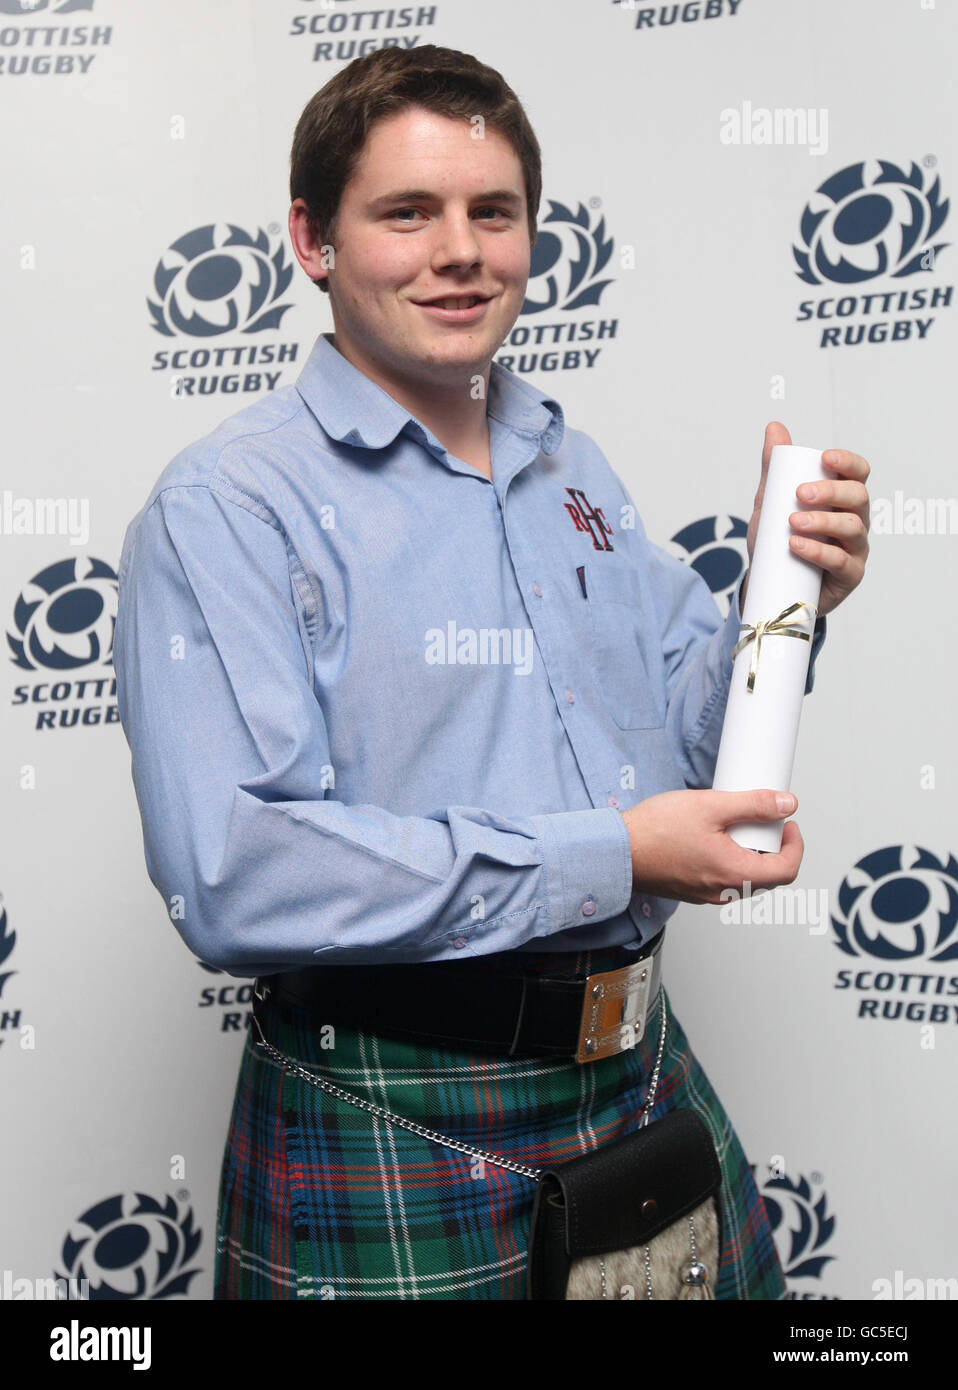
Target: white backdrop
[(132, 126)]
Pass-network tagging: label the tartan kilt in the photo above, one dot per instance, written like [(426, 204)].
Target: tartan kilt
[(320, 1200)]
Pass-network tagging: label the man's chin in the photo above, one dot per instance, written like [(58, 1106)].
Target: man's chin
[(458, 354)]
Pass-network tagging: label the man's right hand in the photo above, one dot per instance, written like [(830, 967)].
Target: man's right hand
[(681, 849)]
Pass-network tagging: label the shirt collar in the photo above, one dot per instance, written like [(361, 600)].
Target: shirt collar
[(354, 410)]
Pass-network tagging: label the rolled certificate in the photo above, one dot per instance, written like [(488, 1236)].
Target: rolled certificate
[(760, 731)]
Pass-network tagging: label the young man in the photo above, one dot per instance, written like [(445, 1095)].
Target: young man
[(437, 743)]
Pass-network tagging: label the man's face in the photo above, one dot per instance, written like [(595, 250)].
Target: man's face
[(444, 236)]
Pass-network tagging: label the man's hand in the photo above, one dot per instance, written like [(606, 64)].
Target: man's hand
[(843, 549), (680, 848)]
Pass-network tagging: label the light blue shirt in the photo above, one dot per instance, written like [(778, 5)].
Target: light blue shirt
[(381, 708)]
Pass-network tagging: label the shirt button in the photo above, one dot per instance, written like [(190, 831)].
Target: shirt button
[(569, 698), (588, 908), (537, 590), (614, 801), (459, 942), (646, 909)]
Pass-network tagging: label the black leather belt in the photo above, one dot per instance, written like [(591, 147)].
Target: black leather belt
[(486, 1003)]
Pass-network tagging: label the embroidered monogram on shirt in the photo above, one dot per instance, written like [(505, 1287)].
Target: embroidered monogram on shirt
[(584, 515)]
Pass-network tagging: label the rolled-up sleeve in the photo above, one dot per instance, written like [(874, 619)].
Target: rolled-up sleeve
[(261, 870)]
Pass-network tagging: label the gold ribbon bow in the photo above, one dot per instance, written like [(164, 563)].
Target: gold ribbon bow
[(772, 627)]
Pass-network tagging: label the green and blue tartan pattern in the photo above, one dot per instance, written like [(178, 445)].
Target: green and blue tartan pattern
[(320, 1200)]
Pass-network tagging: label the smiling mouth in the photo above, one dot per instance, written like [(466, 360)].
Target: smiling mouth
[(453, 302)]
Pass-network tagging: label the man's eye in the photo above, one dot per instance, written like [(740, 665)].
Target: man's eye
[(398, 213)]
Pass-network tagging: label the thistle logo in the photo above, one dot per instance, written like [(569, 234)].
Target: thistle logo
[(801, 1226), (867, 222), (565, 275), (8, 939), (225, 998), (899, 905), (64, 620), (715, 547), (218, 280), (859, 233), (132, 1247), (44, 55), (373, 28)]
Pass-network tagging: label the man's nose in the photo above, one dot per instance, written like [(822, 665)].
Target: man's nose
[(456, 242)]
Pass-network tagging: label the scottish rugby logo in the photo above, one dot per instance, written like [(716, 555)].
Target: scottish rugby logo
[(873, 221), (338, 34), (898, 916), (215, 281), (54, 49), (65, 617), (566, 277), (132, 1246), (867, 220), (64, 621), (898, 903), (218, 279)]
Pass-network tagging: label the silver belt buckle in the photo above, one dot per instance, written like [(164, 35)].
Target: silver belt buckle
[(614, 1011)]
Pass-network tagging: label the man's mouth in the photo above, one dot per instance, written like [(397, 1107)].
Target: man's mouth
[(454, 302)]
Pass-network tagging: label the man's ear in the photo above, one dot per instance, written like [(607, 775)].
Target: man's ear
[(315, 255)]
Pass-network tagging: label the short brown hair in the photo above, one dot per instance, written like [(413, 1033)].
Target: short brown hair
[(335, 123)]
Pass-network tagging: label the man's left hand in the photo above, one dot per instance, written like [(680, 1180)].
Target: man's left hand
[(837, 539)]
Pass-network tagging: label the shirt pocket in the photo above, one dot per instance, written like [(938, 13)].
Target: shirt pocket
[(620, 631)]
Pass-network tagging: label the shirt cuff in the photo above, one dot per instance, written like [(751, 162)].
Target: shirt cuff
[(587, 856)]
